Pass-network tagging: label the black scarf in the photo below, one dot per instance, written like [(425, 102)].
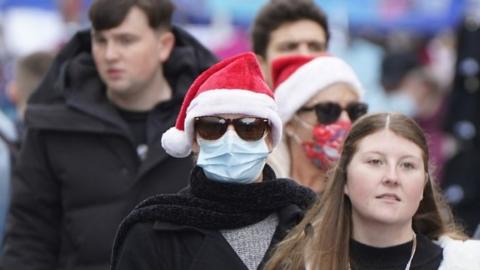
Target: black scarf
[(214, 205)]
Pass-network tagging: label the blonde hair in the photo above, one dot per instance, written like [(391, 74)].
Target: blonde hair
[(321, 240)]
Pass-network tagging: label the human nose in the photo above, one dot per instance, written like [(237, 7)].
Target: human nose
[(111, 52), (391, 176), (344, 117), (303, 49)]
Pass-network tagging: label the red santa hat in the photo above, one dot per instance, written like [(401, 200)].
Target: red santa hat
[(232, 86), (298, 78)]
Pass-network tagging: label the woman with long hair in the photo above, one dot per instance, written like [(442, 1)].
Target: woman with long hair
[(380, 209)]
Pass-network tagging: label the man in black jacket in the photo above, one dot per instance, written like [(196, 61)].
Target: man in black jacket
[(92, 149)]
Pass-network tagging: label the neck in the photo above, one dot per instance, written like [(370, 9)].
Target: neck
[(303, 170), (381, 235), (156, 91)]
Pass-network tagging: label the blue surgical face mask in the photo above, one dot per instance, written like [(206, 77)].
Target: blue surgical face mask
[(231, 159)]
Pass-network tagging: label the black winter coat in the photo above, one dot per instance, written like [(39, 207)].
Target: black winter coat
[(182, 232), (78, 173), (166, 246)]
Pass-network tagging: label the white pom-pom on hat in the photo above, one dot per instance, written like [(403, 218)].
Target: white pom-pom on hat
[(179, 146)]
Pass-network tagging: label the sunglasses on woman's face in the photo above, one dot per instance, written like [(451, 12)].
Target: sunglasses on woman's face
[(329, 112), (247, 128)]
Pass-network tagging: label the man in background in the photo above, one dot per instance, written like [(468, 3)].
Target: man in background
[(29, 72), (92, 147), (285, 27)]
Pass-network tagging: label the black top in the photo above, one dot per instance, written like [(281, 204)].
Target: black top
[(137, 122), (428, 256)]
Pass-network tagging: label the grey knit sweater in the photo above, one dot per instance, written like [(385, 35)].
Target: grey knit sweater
[(251, 242)]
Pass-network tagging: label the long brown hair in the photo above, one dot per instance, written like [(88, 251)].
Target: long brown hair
[(321, 240)]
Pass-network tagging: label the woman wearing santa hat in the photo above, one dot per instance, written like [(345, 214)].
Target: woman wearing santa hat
[(318, 99), (235, 209)]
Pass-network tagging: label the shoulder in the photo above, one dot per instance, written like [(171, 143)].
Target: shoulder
[(149, 237), (459, 254), (157, 235), (159, 230), (202, 57), (161, 226), (148, 244), (140, 231)]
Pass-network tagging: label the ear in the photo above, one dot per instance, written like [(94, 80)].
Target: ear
[(166, 42)]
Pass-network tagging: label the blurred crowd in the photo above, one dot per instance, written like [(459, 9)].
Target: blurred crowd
[(432, 77)]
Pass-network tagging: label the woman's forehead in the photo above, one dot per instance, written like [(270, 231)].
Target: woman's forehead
[(342, 93), (387, 142)]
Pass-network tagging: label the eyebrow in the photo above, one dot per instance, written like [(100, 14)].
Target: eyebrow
[(115, 35), (383, 154), (301, 41)]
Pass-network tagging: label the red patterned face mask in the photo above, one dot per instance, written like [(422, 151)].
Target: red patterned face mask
[(325, 148)]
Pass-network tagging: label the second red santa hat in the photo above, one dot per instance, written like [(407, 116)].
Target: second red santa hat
[(298, 78)]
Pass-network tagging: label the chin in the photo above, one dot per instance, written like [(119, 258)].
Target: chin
[(117, 89), (390, 218), (389, 221)]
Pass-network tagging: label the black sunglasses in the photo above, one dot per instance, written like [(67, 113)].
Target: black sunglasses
[(329, 112), (247, 128)]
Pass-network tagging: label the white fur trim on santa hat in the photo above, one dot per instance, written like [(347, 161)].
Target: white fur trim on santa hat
[(178, 143), (226, 101), (310, 79)]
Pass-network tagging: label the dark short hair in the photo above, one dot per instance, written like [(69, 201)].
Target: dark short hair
[(107, 14), (278, 12)]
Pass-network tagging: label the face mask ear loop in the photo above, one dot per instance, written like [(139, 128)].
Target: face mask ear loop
[(303, 123), (294, 136)]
